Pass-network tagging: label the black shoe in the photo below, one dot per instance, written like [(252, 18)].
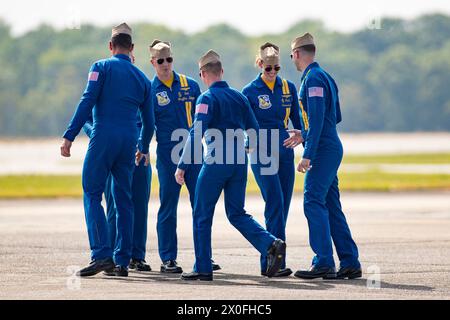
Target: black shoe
[(118, 271), (110, 273), (350, 273), (95, 267), (171, 266), (197, 276), (280, 273), (314, 272), (275, 256), (139, 265), (215, 266)]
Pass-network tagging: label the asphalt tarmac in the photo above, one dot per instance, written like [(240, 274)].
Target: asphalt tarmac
[(403, 238)]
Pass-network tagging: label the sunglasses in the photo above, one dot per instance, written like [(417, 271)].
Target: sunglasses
[(161, 61), (269, 68)]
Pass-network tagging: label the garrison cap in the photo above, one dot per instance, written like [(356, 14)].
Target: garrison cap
[(209, 57), (121, 28), (160, 49), (269, 54), (304, 40)]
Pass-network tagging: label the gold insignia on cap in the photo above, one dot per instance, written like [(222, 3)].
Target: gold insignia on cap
[(160, 49), (304, 40), (121, 28), (269, 54), (209, 57)]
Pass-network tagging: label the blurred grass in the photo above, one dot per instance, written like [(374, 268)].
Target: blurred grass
[(56, 186), (429, 158), (53, 186), (40, 186)]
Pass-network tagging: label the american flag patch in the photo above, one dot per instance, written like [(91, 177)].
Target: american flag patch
[(93, 76), (315, 92), (201, 108)]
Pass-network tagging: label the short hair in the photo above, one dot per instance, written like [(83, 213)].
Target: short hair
[(213, 67), (122, 40), (309, 49)]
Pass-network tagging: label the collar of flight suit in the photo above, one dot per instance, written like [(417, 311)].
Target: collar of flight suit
[(308, 68), (158, 83), (122, 56), (259, 82), (219, 84)]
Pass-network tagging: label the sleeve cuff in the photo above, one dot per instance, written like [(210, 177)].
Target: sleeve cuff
[(183, 166), (68, 137), (307, 155)]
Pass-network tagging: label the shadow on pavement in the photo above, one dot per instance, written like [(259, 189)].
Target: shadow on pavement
[(291, 283)]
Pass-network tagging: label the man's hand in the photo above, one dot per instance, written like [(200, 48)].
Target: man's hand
[(132, 57), (139, 156), (294, 140), (179, 176), (65, 148), (304, 165)]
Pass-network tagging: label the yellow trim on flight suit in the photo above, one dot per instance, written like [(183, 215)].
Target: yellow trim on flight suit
[(286, 118), (304, 115), (286, 91), (285, 86), (188, 113), (187, 104), (183, 81)]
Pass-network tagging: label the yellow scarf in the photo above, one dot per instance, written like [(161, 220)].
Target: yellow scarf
[(169, 82), (271, 84)]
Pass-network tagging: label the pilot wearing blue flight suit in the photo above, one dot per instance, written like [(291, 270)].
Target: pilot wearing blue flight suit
[(174, 97), (116, 90), (141, 195), (221, 109), (319, 103), (274, 103)]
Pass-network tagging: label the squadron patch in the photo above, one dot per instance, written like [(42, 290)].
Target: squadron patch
[(264, 101), (163, 98)]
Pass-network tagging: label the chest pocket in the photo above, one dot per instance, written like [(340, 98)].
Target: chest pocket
[(286, 96), (187, 103)]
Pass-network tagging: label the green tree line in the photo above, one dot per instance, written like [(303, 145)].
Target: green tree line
[(394, 78)]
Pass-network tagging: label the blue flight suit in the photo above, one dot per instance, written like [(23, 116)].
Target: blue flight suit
[(116, 90), (142, 176), (319, 103), (221, 108), (273, 109), (110, 205), (174, 109)]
